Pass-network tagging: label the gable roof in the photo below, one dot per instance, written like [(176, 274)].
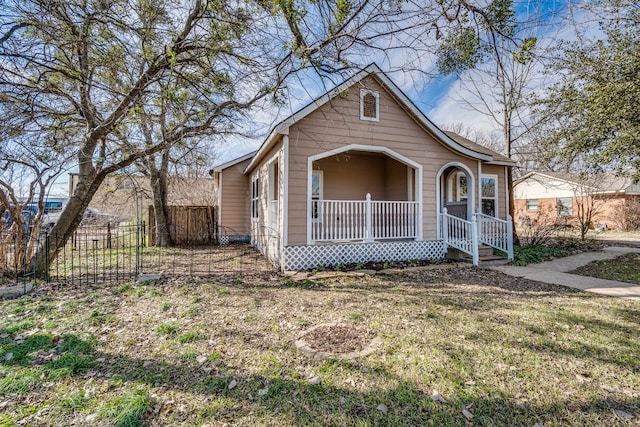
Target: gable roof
[(230, 163), (459, 144), (607, 182)]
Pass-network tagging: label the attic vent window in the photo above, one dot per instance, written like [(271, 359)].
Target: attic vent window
[(369, 105)]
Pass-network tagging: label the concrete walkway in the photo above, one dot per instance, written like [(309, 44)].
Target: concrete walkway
[(555, 272)]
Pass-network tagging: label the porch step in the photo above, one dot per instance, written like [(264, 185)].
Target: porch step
[(486, 257), (488, 261), (484, 251)]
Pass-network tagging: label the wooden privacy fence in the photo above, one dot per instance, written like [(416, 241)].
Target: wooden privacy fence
[(188, 225)]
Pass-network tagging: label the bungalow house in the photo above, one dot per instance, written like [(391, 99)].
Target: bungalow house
[(557, 198), (361, 174)]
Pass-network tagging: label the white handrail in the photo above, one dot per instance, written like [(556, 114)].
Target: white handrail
[(496, 232), (460, 234)]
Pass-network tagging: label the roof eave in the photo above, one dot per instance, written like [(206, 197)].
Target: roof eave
[(230, 163), (424, 120), (502, 162)]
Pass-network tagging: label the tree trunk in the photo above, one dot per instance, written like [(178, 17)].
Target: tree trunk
[(66, 225), (508, 142), (512, 208), (159, 188)]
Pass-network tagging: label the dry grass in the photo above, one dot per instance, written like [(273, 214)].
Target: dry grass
[(457, 344)]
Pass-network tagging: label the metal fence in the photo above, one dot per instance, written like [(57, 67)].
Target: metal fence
[(116, 253)]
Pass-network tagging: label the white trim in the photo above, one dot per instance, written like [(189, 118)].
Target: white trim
[(282, 128), (479, 188), (219, 168), (439, 200), (308, 198), (502, 163), (495, 193), (219, 199), (273, 188), (420, 198), (368, 148), (376, 95), (411, 193), (255, 178), (506, 192), (320, 174), (285, 191), (458, 197), (449, 180)]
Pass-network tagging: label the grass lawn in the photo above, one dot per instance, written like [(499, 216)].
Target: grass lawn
[(460, 347), (625, 268)]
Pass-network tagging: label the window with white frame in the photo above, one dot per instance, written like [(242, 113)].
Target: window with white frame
[(369, 105), (532, 204), (316, 193), (565, 206), (489, 193), (255, 196), (461, 188)]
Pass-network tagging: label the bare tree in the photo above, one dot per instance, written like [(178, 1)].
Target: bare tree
[(24, 185), (495, 58), (87, 68), (592, 190), (483, 137)]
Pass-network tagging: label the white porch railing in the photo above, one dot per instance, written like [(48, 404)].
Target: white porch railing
[(460, 234), (363, 220), (496, 232), (467, 235)]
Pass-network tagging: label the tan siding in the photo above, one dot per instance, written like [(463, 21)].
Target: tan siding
[(396, 180), (235, 199), (499, 171), (261, 170), (338, 123), (363, 173)]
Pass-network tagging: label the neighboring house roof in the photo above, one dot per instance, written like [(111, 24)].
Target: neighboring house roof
[(600, 183), (456, 143)]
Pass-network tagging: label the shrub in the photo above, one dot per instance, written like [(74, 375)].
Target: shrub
[(627, 215), (533, 254)]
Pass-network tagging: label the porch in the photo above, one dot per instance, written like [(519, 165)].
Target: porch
[(363, 196)]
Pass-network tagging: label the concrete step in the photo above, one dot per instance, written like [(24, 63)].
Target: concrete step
[(486, 261), (485, 250)]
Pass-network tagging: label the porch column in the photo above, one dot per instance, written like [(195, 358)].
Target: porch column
[(369, 220)]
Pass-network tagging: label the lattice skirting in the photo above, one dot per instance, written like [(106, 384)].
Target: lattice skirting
[(306, 257)]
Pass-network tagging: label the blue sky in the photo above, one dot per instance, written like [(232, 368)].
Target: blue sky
[(435, 96), (438, 97)]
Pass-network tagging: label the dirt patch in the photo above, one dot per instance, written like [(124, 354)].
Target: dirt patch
[(338, 339)]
